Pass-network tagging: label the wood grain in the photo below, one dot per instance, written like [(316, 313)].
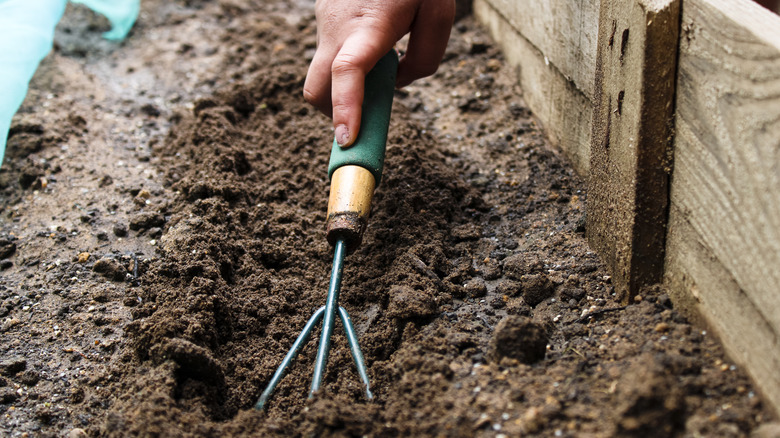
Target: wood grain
[(632, 129), (564, 31), (564, 110), (724, 240)]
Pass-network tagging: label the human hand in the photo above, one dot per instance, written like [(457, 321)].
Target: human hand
[(352, 35)]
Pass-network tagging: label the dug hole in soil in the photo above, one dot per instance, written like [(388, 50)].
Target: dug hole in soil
[(163, 209)]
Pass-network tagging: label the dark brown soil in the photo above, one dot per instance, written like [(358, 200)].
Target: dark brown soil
[(162, 242)]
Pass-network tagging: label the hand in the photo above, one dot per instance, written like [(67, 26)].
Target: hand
[(352, 35)]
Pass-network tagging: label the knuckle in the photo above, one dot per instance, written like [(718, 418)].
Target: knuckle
[(340, 108), (310, 96), (318, 100), (345, 63)]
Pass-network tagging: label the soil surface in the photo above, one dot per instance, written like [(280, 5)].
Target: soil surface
[(162, 240)]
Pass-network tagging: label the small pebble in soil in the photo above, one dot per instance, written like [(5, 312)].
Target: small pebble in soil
[(120, 230), (105, 180), (77, 433), (150, 110), (662, 327), (520, 339), (83, 257)]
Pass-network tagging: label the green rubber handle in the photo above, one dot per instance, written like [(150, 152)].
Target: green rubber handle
[(368, 150)]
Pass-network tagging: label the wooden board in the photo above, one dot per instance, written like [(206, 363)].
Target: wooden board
[(631, 144), (563, 31), (723, 246), (564, 110)]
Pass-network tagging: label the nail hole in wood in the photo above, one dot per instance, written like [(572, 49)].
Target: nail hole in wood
[(623, 44)]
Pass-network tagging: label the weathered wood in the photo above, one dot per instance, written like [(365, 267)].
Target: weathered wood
[(631, 143), (564, 31), (706, 291), (723, 246), (564, 110)]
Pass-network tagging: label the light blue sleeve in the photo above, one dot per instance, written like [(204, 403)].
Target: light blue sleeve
[(26, 36)]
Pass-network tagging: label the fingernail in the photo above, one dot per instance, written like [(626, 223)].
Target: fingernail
[(342, 135)]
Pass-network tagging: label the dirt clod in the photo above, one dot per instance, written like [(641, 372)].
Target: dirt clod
[(518, 338), (146, 220), (476, 288), (650, 402), (536, 288), (110, 268), (11, 366), (406, 302), (518, 265), (7, 248), (29, 377), (8, 395), (120, 230)]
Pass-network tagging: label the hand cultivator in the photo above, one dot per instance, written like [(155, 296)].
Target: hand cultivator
[(354, 173)]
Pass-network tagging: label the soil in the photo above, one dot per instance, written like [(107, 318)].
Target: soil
[(162, 241)]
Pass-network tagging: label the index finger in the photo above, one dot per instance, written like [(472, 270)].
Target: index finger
[(359, 53)]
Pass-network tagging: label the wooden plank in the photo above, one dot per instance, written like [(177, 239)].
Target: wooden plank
[(564, 31), (562, 108), (725, 193), (700, 286), (631, 143)]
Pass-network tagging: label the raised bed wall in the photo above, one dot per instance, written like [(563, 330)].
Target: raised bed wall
[(671, 109)]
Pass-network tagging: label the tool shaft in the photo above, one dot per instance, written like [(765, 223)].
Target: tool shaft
[(329, 319)]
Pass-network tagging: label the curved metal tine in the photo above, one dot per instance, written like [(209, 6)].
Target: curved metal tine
[(296, 347), (357, 355)]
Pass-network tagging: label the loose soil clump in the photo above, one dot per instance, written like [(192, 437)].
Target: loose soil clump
[(157, 296)]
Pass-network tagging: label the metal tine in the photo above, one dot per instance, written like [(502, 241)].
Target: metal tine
[(354, 347), (328, 314), (296, 347)]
